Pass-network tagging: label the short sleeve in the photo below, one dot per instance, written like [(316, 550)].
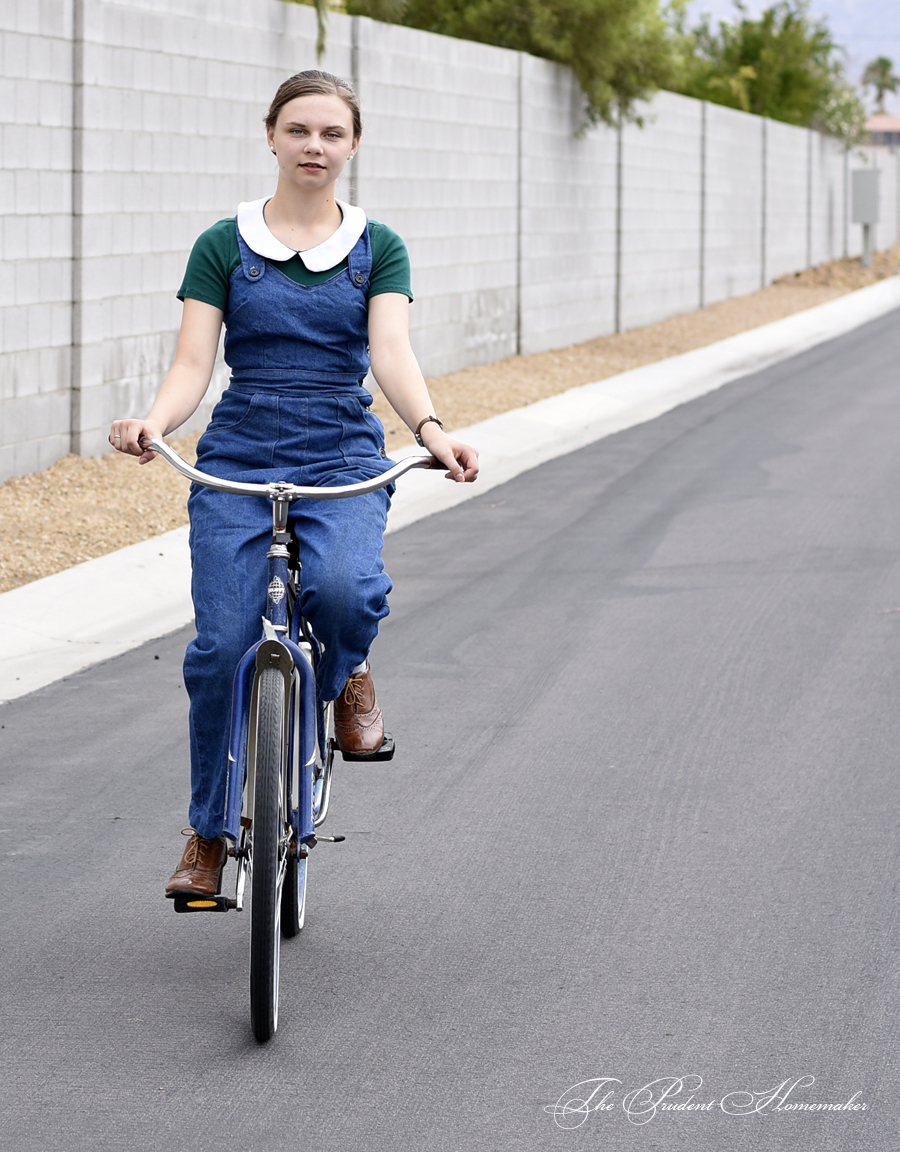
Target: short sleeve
[(390, 262), (213, 258)]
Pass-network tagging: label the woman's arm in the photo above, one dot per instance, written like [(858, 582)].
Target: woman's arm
[(400, 379), (183, 388)]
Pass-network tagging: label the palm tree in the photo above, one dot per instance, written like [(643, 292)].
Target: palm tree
[(879, 74)]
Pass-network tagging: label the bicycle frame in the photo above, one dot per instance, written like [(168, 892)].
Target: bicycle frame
[(288, 644)]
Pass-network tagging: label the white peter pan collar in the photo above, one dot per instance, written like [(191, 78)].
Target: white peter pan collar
[(256, 235)]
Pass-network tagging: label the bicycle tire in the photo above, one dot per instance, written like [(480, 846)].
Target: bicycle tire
[(267, 855)]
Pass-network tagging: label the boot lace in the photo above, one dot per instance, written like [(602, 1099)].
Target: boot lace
[(353, 692), (192, 852)]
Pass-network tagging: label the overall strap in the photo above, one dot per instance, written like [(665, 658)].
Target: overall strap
[(252, 265)]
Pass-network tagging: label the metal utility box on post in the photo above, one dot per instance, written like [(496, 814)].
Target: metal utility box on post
[(865, 206)]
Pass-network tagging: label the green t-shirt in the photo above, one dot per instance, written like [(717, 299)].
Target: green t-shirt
[(215, 256)]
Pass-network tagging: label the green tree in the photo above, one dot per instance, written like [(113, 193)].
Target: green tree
[(784, 65), (778, 66), (619, 50), (879, 74)]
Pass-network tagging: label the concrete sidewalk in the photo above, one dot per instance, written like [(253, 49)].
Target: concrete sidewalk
[(58, 625)]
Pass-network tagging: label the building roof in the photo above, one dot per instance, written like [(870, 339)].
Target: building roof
[(878, 123)]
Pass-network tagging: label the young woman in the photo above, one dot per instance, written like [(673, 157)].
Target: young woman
[(311, 294)]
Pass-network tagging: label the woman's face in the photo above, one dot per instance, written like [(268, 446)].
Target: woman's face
[(313, 140)]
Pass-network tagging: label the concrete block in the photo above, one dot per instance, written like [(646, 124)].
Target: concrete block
[(15, 329), (94, 322), (8, 451), (15, 148), (7, 101), (28, 101), (61, 148), (95, 280), (8, 295), (15, 238), (7, 193), (16, 424), (54, 193), (27, 280), (61, 61), (54, 105), (55, 19), (50, 449), (39, 157), (7, 371), (25, 458), (121, 315), (96, 150), (24, 374), (121, 229), (8, 13), (26, 417), (38, 328), (99, 406), (61, 325), (54, 281), (91, 363), (14, 47)]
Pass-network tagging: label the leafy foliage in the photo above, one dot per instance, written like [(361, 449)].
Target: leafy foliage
[(619, 50), (783, 65), (879, 74)]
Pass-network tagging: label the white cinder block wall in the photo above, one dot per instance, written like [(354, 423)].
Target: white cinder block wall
[(36, 234), (438, 164), (129, 126), (567, 271), (660, 237), (733, 203), (788, 223)]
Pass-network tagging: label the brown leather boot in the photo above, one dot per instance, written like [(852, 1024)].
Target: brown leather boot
[(200, 870), (358, 723)]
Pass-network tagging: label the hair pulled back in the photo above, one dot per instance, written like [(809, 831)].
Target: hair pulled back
[(312, 82)]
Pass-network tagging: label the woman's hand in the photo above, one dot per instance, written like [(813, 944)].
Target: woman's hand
[(127, 436), (460, 459)]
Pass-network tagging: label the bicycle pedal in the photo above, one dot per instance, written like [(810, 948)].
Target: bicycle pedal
[(384, 751), (186, 902)]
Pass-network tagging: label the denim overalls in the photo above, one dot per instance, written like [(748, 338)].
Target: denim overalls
[(295, 410)]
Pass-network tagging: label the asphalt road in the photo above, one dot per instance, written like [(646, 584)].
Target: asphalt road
[(642, 825)]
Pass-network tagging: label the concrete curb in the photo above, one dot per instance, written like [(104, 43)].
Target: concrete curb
[(66, 622)]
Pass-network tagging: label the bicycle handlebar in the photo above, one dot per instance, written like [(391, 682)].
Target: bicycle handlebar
[(282, 490)]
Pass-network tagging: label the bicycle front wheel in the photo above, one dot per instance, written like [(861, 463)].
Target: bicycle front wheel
[(269, 848)]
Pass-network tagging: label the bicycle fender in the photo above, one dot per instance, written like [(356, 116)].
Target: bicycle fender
[(237, 744)]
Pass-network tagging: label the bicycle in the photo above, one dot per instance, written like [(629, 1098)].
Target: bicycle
[(281, 751)]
